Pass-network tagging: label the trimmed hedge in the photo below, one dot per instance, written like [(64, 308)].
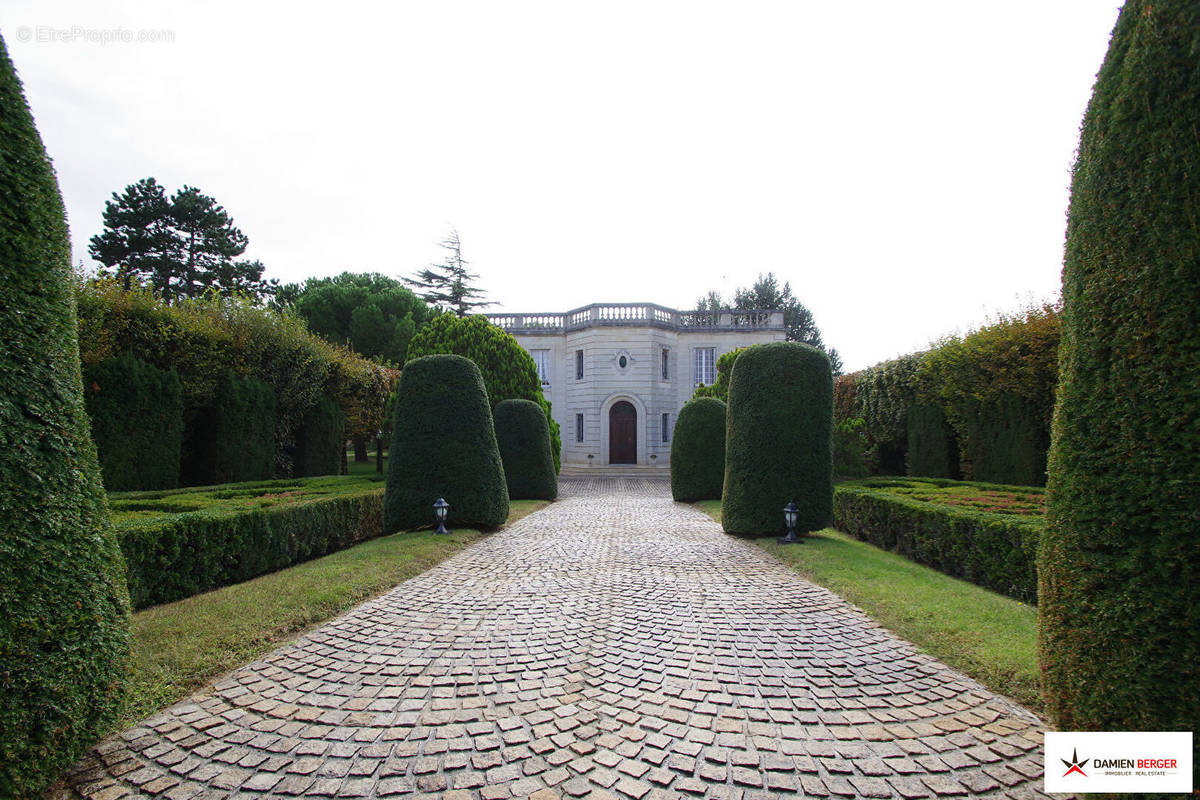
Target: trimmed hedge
[(64, 629), (523, 436), (1007, 443), (137, 423), (1119, 629), (932, 446), (233, 440), (996, 551), (443, 445), (321, 440), (779, 439), (173, 556), (698, 450)]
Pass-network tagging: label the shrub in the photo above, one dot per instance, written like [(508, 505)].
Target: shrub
[(698, 451), (64, 630), (932, 448), (1120, 562), (444, 445), (524, 440), (883, 395), (136, 412), (996, 551), (850, 446), (1007, 443), (172, 556), (233, 440), (320, 441), (778, 445), (508, 370)]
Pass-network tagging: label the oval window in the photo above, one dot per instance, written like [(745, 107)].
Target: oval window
[(623, 362)]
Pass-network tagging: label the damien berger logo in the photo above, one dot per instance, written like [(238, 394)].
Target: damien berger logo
[(1120, 762)]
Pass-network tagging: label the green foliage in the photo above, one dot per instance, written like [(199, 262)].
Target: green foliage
[(203, 340), (64, 629), (1120, 561), (1007, 443), (321, 440), (508, 370), (182, 247), (779, 444), (137, 423), (932, 448), (448, 285), (883, 394), (850, 448), (524, 440), (179, 543), (373, 314), (720, 388), (444, 445), (990, 549), (698, 450), (233, 440)]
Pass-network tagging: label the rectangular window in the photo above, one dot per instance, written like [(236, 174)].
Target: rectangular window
[(666, 427), (704, 366), (666, 360), (579, 427), (579, 366), (542, 359)]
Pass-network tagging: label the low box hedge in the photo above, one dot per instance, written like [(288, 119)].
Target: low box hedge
[(995, 550), (194, 541)]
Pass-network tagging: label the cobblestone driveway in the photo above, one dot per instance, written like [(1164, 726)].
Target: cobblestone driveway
[(615, 644)]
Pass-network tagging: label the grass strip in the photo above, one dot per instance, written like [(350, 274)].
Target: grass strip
[(179, 647), (988, 636)]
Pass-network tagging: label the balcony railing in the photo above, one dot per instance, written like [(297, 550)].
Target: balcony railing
[(638, 314)]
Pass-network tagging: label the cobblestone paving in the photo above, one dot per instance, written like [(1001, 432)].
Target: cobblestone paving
[(615, 645)]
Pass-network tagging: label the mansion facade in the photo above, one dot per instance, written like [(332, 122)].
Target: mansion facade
[(616, 374)]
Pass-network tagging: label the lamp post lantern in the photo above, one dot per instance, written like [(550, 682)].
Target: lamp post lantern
[(790, 514), (439, 510)]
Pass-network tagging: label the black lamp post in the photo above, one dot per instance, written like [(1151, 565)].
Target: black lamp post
[(790, 514), (439, 510)]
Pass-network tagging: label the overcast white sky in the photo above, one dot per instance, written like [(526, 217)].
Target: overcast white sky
[(904, 165)]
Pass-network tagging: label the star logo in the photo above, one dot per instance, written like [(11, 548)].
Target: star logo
[(1074, 764)]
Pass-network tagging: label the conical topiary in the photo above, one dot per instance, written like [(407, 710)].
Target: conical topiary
[(698, 451), (1119, 567), (779, 439), (524, 438), (443, 445), (64, 629)]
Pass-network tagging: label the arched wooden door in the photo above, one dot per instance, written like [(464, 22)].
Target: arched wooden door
[(622, 433)]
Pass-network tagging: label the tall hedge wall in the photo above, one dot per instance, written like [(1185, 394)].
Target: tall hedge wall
[(136, 412), (778, 444), (1119, 569), (698, 450), (443, 445), (523, 436), (64, 630), (932, 446), (232, 440), (1007, 443), (321, 440)]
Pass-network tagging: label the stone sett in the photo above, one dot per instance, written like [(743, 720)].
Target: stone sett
[(615, 644)]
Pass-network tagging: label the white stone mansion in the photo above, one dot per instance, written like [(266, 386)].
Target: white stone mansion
[(616, 374)]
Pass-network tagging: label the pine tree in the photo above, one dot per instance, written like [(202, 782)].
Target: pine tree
[(449, 284)]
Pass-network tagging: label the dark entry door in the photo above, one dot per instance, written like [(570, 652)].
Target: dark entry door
[(622, 434)]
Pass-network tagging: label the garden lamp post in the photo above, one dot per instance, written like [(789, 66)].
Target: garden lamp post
[(439, 511), (790, 514)]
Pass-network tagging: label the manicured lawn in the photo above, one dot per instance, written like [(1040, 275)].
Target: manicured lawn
[(988, 636), (179, 647)]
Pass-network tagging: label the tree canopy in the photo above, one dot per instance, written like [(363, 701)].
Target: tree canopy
[(181, 246), (374, 315), (448, 284), (767, 294)]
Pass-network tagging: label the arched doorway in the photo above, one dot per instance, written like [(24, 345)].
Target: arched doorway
[(622, 433)]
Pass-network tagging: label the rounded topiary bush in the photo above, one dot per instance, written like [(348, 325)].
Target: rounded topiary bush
[(524, 439), (64, 629), (320, 440), (698, 450), (779, 439), (1119, 566), (443, 445), (136, 411)]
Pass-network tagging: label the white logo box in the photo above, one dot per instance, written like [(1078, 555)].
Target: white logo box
[(1118, 762)]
